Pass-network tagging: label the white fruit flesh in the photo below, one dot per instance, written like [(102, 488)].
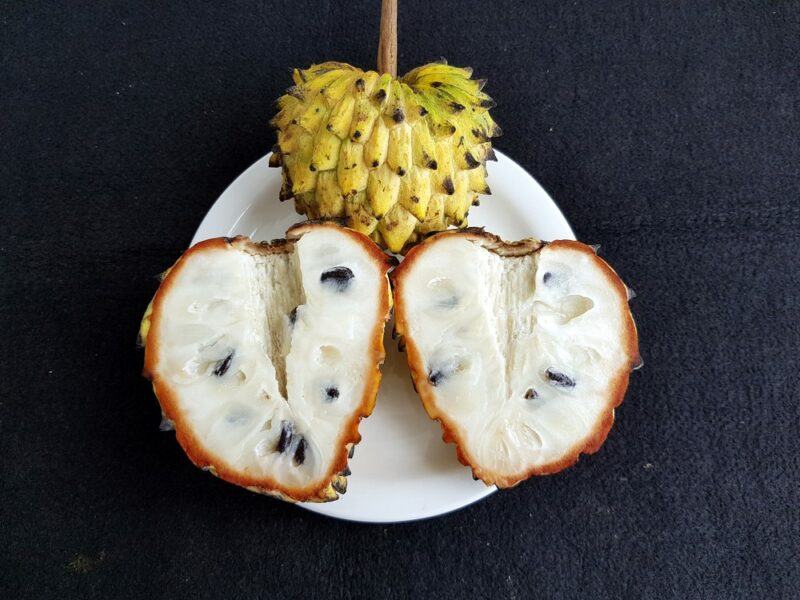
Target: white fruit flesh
[(520, 352), (268, 354)]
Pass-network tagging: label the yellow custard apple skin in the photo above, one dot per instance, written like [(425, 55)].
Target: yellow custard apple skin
[(396, 159)]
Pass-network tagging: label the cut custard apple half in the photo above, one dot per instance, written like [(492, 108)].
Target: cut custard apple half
[(265, 356), (521, 350)]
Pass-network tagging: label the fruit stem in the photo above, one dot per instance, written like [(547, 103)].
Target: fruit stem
[(387, 46)]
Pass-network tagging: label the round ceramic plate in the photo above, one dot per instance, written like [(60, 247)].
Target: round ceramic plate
[(402, 470)]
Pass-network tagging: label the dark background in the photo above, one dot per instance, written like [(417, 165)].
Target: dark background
[(668, 132)]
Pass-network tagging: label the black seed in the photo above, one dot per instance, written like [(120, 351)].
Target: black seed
[(339, 486), (398, 115), (437, 376), (456, 107), (293, 316), (346, 472), (300, 452), (448, 185), (422, 111), (331, 394), (375, 163), (360, 84), (401, 171), (337, 277), (547, 277), (436, 84), (432, 164), (351, 452), (356, 134), (223, 365), (559, 379), (531, 394), (471, 162), (287, 431)]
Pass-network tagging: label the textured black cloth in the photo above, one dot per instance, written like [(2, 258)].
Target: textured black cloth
[(668, 132)]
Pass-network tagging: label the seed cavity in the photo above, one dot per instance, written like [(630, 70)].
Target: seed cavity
[(285, 439), (337, 278), (300, 452), (559, 379), (223, 365)]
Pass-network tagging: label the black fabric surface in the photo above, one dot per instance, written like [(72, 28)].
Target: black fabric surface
[(668, 132)]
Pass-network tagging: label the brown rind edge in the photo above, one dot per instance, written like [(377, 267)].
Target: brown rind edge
[(592, 442), (325, 489)]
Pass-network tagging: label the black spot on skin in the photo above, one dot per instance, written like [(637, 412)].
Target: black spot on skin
[(531, 394), (375, 163), (339, 486), (293, 316), (331, 394), (448, 185), (401, 171), (356, 134), (398, 115), (380, 95), (436, 84), (351, 452), (476, 202), (488, 104), (432, 164), (300, 452), (456, 107), (287, 432), (415, 199), (337, 277), (228, 240), (559, 379), (472, 163), (346, 472), (312, 168), (223, 365), (360, 84), (547, 277), (422, 111)]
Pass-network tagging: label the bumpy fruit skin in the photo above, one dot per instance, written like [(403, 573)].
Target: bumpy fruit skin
[(397, 158)]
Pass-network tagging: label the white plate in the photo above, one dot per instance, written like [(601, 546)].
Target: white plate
[(401, 469)]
